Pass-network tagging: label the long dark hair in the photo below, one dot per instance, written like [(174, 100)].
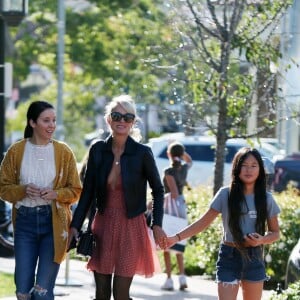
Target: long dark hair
[(237, 198), (33, 112)]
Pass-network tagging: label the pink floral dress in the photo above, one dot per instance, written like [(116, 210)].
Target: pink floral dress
[(123, 246)]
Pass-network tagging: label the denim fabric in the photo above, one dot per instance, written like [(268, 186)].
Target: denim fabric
[(34, 253), (232, 265)]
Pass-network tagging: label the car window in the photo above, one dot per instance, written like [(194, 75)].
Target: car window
[(201, 152), (197, 152), (204, 152)]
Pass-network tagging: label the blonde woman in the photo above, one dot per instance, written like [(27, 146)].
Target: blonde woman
[(118, 171)]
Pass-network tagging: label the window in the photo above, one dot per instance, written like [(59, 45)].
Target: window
[(204, 152), (197, 152)]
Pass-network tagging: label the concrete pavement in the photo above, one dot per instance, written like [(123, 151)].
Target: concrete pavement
[(74, 282)]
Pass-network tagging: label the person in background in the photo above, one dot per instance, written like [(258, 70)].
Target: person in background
[(38, 175), (118, 171), (250, 221), (174, 180)]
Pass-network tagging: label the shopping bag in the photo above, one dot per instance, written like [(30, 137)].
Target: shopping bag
[(172, 223)]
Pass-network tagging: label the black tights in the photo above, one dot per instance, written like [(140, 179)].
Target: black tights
[(121, 286)]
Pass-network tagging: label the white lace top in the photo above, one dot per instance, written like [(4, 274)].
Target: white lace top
[(38, 167)]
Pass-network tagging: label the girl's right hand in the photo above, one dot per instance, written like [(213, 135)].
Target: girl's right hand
[(32, 191)]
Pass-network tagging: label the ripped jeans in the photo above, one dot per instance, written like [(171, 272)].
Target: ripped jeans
[(35, 271)]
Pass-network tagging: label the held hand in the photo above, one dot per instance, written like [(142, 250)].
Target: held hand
[(32, 191), (160, 237), (172, 240), (253, 239)]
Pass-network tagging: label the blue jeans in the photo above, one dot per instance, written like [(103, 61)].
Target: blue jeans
[(35, 271), (233, 266)]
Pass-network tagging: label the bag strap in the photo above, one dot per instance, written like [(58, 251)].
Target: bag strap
[(91, 216)]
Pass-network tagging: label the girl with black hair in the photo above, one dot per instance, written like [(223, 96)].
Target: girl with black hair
[(249, 217)]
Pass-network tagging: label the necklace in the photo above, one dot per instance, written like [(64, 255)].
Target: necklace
[(117, 151)]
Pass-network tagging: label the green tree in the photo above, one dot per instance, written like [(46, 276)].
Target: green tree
[(106, 46), (224, 52)]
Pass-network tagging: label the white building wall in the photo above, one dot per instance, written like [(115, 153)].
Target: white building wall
[(289, 80)]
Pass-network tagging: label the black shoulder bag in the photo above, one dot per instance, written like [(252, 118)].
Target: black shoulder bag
[(86, 240)]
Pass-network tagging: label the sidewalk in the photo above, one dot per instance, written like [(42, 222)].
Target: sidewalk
[(74, 282)]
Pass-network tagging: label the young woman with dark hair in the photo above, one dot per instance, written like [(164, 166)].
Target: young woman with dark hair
[(38, 175)]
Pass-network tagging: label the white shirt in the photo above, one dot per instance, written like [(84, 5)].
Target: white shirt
[(38, 167)]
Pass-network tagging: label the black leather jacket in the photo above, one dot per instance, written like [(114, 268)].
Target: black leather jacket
[(138, 168)]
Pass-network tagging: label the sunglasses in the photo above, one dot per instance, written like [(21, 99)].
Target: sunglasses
[(117, 117)]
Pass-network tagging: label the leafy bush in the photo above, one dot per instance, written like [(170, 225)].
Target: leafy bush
[(202, 249), (277, 254), (291, 293), (7, 286)]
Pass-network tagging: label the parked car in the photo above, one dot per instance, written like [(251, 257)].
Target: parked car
[(293, 266), (6, 234), (287, 171), (275, 143), (201, 149)]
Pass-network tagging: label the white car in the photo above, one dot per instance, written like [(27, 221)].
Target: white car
[(201, 149)]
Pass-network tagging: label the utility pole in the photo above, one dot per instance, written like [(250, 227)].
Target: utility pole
[(2, 92), (60, 69), (290, 46), (11, 14)]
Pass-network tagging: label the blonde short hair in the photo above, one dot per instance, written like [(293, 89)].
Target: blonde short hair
[(127, 103)]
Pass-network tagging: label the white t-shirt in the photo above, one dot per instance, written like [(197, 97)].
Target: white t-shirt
[(248, 219), (38, 167)]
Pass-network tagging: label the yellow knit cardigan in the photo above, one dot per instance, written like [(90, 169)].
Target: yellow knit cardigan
[(66, 183)]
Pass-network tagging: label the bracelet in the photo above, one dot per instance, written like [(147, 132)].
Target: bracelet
[(179, 239)]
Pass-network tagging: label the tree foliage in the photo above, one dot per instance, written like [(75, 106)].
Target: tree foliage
[(224, 52), (212, 58), (106, 44)]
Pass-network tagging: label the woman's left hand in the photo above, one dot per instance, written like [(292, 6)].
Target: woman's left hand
[(253, 239), (172, 240), (160, 237), (48, 194)]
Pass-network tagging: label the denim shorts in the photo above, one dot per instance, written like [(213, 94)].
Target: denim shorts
[(234, 265)]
